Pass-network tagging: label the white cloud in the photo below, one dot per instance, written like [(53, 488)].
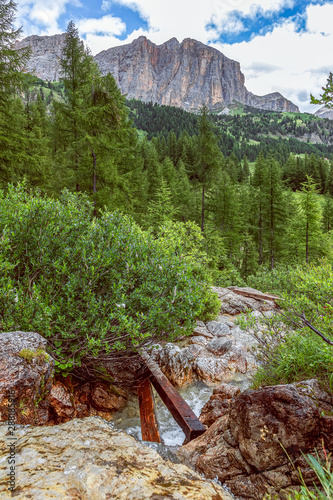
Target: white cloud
[(107, 25), (301, 59), (320, 19), (106, 4), (40, 17), (102, 33), (293, 63), (189, 18)]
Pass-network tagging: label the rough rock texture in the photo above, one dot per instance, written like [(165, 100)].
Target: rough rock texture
[(243, 447), (26, 371), (325, 112), (86, 459), (45, 50), (187, 74), (219, 349), (218, 404), (232, 303)]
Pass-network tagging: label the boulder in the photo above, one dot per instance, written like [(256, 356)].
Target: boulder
[(218, 328), (233, 303), (26, 373), (218, 404), (211, 369), (257, 444), (219, 346), (202, 332), (61, 401), (176, 363), (105, 397), (87, 459), (200, 340)]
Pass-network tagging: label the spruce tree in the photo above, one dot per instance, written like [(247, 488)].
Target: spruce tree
[(208, 155), (13, 137)]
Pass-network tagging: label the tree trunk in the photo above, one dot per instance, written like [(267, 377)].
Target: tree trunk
[(260, 235), (272, 230), (94, 179), (307, 241), (203, 209)]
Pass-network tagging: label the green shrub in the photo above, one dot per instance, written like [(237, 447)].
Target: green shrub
[(91, 286), (299, 353)]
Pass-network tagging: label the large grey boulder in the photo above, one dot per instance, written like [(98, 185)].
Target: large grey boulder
[(86, 459)]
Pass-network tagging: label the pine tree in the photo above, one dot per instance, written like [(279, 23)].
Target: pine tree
[(209, 154), (76, 65), (311, 217), (328, 214), (258, 181), (13, 138)]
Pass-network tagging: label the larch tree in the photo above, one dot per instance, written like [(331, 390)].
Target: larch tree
[(208, 156)]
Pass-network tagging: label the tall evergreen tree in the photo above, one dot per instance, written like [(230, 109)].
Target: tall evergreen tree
[(13, 138), (209, 154)]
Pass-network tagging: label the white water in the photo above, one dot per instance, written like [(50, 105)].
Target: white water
[(196, 395)]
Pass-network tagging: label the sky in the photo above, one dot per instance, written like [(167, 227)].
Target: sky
[(282, 46)]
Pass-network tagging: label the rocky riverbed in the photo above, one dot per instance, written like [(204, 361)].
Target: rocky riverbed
[(70, 451)]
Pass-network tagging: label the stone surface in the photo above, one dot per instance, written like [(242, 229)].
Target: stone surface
[(61, 401), (263, 420), (219, 346), (243, 447), (187, 74), (218, 404), (232, 303), (176, 363), (105, 397), (86, 459), (26, 371), (201, 331), (199, 340), (218, 329)]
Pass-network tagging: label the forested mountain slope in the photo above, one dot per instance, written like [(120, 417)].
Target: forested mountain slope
[(244, 131)]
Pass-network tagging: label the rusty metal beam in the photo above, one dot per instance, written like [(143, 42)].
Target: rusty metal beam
[(149, 424), (179, 409)]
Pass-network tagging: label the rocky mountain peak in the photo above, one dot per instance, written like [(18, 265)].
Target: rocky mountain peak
[(187, 74)]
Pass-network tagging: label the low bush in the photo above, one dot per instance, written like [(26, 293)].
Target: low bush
[(298, 353), (91, 286)]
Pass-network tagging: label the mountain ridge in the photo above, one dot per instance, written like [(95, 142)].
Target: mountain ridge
[(185, 74)]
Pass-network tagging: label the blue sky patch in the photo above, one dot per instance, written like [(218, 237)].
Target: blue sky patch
[(262, 22), (94, 9)]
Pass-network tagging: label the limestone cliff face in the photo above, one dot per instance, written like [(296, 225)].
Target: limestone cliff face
[(187, 74), (325, 112), (45, 53)]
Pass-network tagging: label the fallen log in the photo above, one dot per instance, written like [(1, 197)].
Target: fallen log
[(149, 423), (179, 409), (257, 296)]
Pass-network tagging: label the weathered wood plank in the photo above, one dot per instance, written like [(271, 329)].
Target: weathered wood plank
[(149, 424), (258, 296), (179, 409)]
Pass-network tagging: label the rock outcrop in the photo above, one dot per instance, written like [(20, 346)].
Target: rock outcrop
[(26, 374), (187, 74), (246, 446), (45, 54), (87, 459), (219, 349), (325, 112), (29, 390)]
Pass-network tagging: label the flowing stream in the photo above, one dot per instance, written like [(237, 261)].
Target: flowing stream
[(196, 395)]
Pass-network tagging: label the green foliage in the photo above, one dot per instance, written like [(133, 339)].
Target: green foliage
[(299, 353), (327, 97), (324, 473), (29, 354), (91, 286)]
